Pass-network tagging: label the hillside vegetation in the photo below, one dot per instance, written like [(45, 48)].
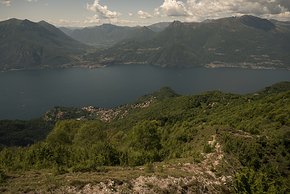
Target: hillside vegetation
[(209, 143)]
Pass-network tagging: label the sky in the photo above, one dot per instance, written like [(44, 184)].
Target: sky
[(81, 13)]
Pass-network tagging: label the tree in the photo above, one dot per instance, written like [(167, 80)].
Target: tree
[(145, 136)]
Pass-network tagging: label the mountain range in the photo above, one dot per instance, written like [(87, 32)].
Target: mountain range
[(107, 35), (246, 41), (25, 44)]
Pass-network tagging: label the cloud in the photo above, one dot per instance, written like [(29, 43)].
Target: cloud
[(66, 23), (144, 15), (130, 14), (172, 8), (210, 9), (6, 2), (285, 3), (281, 16), (92, 20), (124, 22), (221, 8), (102, 11)]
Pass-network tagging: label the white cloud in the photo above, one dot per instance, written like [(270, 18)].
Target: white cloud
[(210, 9), (31, 1), (102, 11), (122, 22), (172, 8), (130, 14), (92, 20), (67, 23), (6, 2), (144, 15), (281, 16), (204, 9)]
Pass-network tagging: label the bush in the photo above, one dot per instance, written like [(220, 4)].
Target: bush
[(3, 176), (149, 168), (208, 148)]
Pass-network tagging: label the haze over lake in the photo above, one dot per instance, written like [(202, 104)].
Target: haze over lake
[(29, 94)]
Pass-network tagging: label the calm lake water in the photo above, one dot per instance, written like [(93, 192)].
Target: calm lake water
[(28, 94)]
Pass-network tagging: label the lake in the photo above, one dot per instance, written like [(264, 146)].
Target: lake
[(29, 94)]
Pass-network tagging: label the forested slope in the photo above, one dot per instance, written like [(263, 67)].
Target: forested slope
[(212, 143)]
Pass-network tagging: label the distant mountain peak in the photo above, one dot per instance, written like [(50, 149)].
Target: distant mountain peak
[(26, 21), (108, 24), (175, 24), (245, 41), (208, 21), (26, 44), (158, 27), (47, 25), (256, 22), (15, 21), (145, 28), (44, 22)]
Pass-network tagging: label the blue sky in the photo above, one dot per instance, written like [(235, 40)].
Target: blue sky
[(138, 12)]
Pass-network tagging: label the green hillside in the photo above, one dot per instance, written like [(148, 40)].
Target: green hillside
[(212, 142)]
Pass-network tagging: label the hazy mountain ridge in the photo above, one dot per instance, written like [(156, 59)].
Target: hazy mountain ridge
[(158, 27), (245, 41), (25, 44), (107, 35)]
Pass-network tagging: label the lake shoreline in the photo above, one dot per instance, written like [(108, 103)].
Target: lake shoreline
[(208, 66), (30, 93)]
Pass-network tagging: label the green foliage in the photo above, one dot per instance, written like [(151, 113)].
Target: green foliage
[(162, 94), (197, 157), (207, 148), (149, 168), (265, 160), (144, 136), (23, 133), (253, 131), (77, 132), (248, 181), (3, 176), (64, 132)]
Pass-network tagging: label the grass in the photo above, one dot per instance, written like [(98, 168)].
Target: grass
[(47, 181)]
